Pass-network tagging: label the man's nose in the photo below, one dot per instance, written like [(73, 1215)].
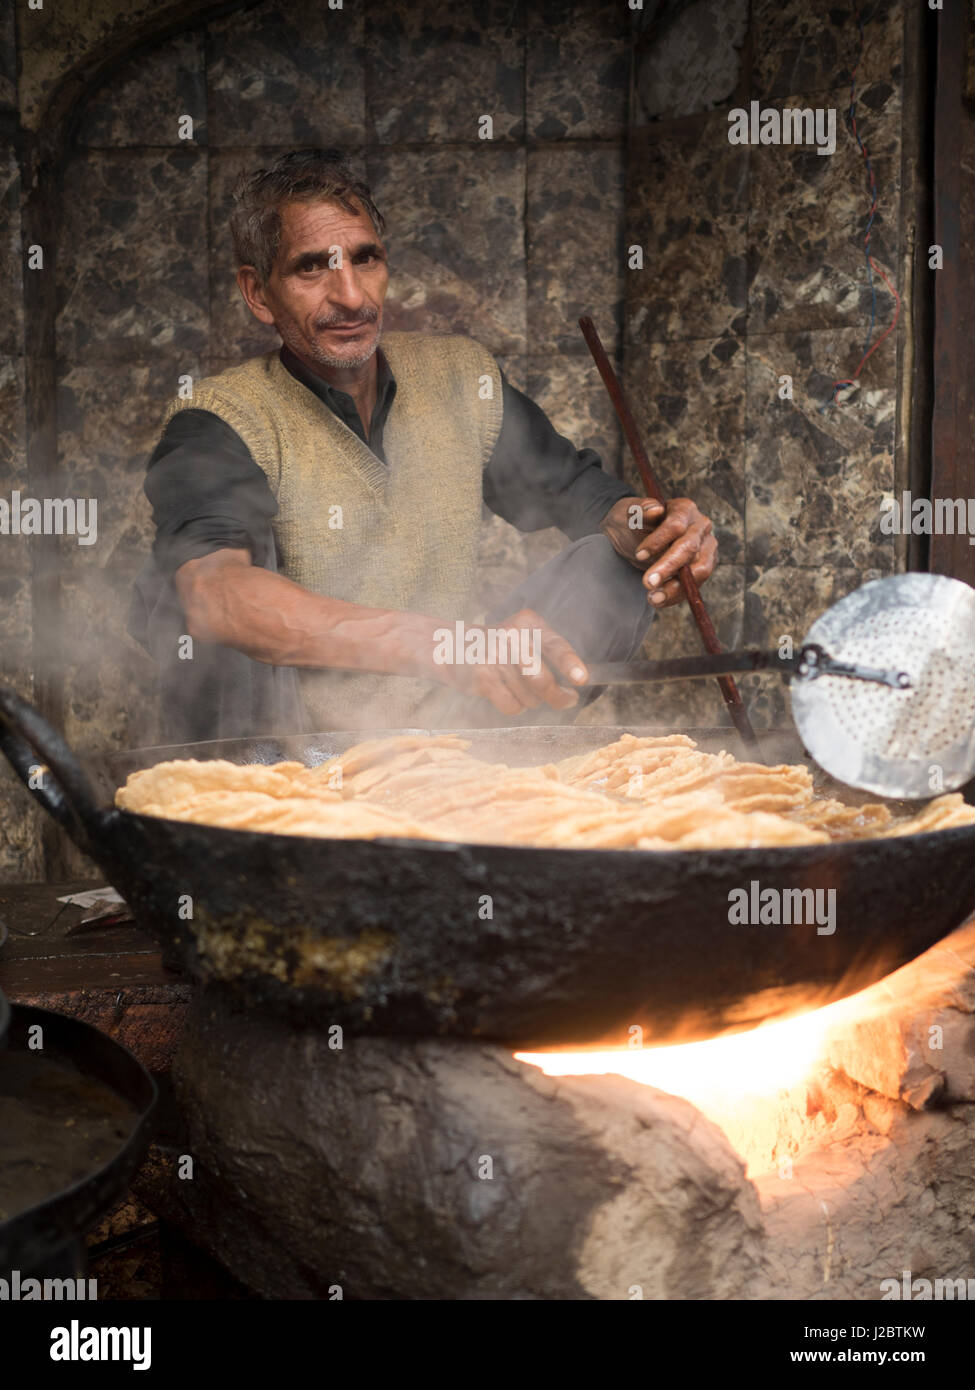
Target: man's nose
[(343, 289)]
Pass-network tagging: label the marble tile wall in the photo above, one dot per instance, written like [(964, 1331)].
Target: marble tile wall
[(755, 272), (508, 240), (20, 853), (133, 317)]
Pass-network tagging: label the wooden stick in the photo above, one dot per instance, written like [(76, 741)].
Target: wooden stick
[(692, 593)]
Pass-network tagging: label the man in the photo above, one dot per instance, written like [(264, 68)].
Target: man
[(318, 508)]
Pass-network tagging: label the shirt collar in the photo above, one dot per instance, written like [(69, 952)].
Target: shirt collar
[(331, 395)]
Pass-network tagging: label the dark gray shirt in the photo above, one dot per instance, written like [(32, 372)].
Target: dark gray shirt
[(207, 493)]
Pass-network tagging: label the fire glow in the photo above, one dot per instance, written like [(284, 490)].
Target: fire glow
[(746, 1083)]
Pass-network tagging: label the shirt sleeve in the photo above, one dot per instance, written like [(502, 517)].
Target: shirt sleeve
[(207, 493), (536, 477)]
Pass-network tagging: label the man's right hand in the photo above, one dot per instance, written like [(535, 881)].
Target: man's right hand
[(526, 679)]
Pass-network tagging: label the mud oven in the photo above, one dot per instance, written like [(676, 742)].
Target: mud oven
[(826, 1156)]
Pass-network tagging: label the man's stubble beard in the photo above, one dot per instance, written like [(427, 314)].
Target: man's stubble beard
[(301, 347)]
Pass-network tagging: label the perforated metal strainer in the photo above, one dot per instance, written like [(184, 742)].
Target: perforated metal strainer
[(911, 742), (883, 687)]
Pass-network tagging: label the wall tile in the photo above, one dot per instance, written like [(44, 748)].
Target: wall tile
[(109, 422), (688, 400), (55, 40), (11, 258), (20, 854), (575, 245), (785, 600), (802, 48), (455, 239), (433, 70), (8, 57), (21, 858), (16, 658), (233, 328), (13, 456), (132, 260), (20, 821), (687, 208), (577, 70), (142, 102), (693, 62), (515, 367), (285, 75), (110, 682), (817, 472), (809, 213), (570, 391)]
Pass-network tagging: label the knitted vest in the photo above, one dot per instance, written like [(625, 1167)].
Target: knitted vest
[(400, 535)]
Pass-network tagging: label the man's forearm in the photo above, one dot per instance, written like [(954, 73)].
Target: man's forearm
[(228, 600)]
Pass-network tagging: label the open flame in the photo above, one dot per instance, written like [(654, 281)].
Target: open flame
[(708, 1073), (752, 1085), (792, 1084)]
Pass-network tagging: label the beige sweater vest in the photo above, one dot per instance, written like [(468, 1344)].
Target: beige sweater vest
[(402, 535)]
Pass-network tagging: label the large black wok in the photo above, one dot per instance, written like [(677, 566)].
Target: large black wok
[(522, 945)]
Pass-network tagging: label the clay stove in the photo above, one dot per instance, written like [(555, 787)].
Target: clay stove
[(419, 1169)]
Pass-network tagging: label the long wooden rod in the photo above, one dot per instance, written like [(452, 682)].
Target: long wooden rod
[(727, 686)]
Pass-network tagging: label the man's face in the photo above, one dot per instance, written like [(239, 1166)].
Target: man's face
[(328, 307)]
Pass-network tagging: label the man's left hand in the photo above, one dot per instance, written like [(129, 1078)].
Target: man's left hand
[(661, 540)]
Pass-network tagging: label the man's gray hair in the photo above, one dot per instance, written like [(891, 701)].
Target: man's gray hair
[(306, 176)]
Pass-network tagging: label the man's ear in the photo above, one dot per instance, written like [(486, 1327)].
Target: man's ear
[(250, 286)]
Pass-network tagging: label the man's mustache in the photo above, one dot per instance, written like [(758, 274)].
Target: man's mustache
[(368, 317)]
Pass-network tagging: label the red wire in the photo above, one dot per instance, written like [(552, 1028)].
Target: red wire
[(851, 381)]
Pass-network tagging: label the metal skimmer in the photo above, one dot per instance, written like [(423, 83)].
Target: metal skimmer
[(912, 742), (883, 687)]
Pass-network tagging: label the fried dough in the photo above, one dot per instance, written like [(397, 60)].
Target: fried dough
[(642, 793)]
